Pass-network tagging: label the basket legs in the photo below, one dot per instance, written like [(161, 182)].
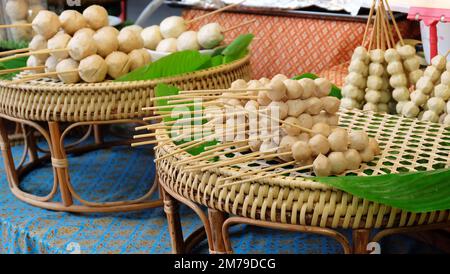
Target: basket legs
[(216, 219), (171, 208), (360, 240)]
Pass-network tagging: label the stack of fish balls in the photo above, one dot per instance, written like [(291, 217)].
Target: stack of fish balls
[(377, 93), (411, 63), (398, 79), (355, 82)]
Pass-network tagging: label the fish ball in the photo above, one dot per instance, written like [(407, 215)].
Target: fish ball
[(254, 145), (319, 144), (172, 27), (72, 21), (399, 106), (445, 78), (292, 128), (106, 41), (85, 31), (238, 84), (385, 96), (398, 80), (446, 120), (136, 28), (412, 63), (353, 159), (355, 79), (68, 65), (251, 105), (367, 154), (400, 94), (167, 45), (322, 129), (263, 98), (338, 140), (377, 56), (50, 64), (129, 40), (376, 69), (309, 87), (264, 80), (406, 51), (391, 55), (34, 9), (333, 120), (372, 96), (301, 151), (280, 77), (410, 110), (394, 67), (296, 107), (286, 144), (46, 23), (39, 43), (253, 84), (433, 73), (436, 104), (268, 146), (330, 104), (430, 116), (93, 69), (294, 89), (188, 41), (425, 84), (373, 144), (33, 61), (139, 58), (415, 75), (370, 107), (323, 87), (358, 140), (338, 162), (96, 17), (322, 117), (418, 97), (360, 53), (151, 36), (322, 166), (82, 46), (279, 107), (313, 105), (442, 91), (118, 64), (351, 91), (439, 62), (277, 90), (59, 41), (210, 36), (374, 82), (349, 103), (305, 120), (16, 10), (383, 108), (358, 66), (21, 34)]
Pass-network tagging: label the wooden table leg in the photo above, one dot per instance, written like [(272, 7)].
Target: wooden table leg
[(98, 134), (360, 240), (31, 142), (61, 164), (8, 159), (216, 219), (171, 209)]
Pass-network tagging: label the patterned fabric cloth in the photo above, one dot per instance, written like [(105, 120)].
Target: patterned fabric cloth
[(293, 45), (120, 173)]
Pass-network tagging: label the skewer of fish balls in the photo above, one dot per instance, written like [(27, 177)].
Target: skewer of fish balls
[(355, 81)]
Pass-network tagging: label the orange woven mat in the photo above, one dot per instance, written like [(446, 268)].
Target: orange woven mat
[(293, 45)]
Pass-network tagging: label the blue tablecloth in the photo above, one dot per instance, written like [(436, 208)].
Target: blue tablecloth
[(120, 173)]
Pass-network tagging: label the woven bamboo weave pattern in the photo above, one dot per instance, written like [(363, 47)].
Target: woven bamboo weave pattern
[(407, 145), (50, 100)]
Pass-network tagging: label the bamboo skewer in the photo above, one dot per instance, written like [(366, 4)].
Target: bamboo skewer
[(384, 27), (395, 24), (181, 105), (211, 155), (238, 26), (6, 71), (366, 30), (37, 52), (214, 12), (212, 91), (14, 51), (42, 75), (17, 25)]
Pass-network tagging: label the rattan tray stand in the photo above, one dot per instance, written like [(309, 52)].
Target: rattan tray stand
[(45, 105), (298, 204)]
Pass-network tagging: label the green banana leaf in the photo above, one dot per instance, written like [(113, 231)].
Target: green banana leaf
[(11, 64), (335, 91)]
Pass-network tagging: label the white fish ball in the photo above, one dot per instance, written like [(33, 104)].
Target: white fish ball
[(442, 91), (292, 128), (353, 159), (139, 58), (322, 117), (280, 77), (130, 40), (151, 36), (415, 75), (286, 144), (313, 105), (351, 91), (17, 9), (167, 45), (355, 79), (309, 87), (412, 63), (39, 43), (106, 41), (394, 67), (410, 110), (50, 64), (349, 103), (294, 89), (59, 41), (85, 31), (418, 97), (367, 154), (118, 64), (373, 144), (93, 69), (296, 107), (188, 41), (72, 21), (277, 90), (433, 73), (263, 98), (238, 84), (172, 27), (358, 66), (255, 144), (322, 129), (268, 146), (370, 107), (96, 17), (82, 46), (68, 65), (319, 144), (253, 84), (400, 94), (46, 23), (360, 53), (338, 162), (391, 55), (406, 51), (430, 116), (322, 166), (436, 104), (333, 120), (398, 80), (305, 120), (376, 69), (359, 140), (136, 28), (330, 104), (439, 62), (374, 82), (338, 140), (278, 107), (425, 84), (399, 106), (33, 61), (445, 78), (377, 55), (301, 151), (372, 96), (323, 87), (210, 35)]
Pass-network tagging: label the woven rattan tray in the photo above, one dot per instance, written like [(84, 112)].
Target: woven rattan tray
[(407, 144), (50, 100)]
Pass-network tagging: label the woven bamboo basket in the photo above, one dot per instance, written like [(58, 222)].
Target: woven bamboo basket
[(50, 100), (407, 145)]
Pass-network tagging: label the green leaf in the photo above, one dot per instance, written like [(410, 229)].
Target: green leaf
[(335, 91), (239, 45), (231, 58), (11, 64), (174, 64), (11, 44), (417, 192)]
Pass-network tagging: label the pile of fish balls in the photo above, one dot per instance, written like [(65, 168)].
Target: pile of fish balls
[(22, 12)]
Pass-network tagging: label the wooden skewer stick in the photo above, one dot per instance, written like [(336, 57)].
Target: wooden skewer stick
[(265, 176), (239, 25), (14, 51), (211, 155), (37, 52), (383, 24), (42, 75), (391, 36), (213, 91), (209, 98), (214, 12), (18, 25), (181, 105), (225, 163), (369, 20), (395, 24), (6, 71)]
